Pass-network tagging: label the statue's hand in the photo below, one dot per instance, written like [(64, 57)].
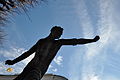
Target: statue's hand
[(9, 62), (96, 38)]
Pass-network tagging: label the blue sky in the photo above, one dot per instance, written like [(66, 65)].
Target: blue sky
[(80, 19)]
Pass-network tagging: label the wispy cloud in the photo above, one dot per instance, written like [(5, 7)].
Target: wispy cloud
[(93, 61), (52, 68), (55, 70), (94, 77), (57, 60), (111, 77), (107, 32), (91, 77), (87, 28)]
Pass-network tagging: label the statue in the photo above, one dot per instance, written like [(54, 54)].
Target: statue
[(45, 50)]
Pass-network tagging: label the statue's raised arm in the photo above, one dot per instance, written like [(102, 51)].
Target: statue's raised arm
[(78, 41)]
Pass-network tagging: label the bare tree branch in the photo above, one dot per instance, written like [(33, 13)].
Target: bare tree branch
[(9, 7)]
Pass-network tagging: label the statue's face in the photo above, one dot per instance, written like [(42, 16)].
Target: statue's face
[(56, 34)]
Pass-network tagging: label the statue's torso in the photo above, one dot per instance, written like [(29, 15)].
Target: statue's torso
[(46, 51)]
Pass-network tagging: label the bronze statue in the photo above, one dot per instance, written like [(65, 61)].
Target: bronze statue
[(45, 50)]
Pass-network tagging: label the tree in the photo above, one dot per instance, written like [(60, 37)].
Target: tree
[(8, 7)]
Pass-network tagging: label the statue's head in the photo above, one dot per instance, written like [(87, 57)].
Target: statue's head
[(56, 32)]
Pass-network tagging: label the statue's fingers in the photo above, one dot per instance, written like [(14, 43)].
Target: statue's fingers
[(7, 62)]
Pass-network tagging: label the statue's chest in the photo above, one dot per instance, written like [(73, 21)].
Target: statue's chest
[(45, 48), (48, 49)]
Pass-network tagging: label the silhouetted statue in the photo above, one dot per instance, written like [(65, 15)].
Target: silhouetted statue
[(45, 50)]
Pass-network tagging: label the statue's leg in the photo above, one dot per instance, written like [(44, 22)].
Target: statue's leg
[(30, 75), (33, 75)]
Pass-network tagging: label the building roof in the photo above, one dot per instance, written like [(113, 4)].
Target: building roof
[(46, 75)]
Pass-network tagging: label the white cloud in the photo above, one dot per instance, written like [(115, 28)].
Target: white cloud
[(50, 66), (94, 78), (54, 70), (58, 60), (12, 53), (91, 77)]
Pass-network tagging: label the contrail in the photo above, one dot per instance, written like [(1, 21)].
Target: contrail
[(88, 31)]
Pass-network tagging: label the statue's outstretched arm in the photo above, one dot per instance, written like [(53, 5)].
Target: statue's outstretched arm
[(23, 56), (78, 41)]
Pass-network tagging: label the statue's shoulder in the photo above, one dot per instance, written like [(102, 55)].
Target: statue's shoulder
[(41, 40), (59, 40)]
